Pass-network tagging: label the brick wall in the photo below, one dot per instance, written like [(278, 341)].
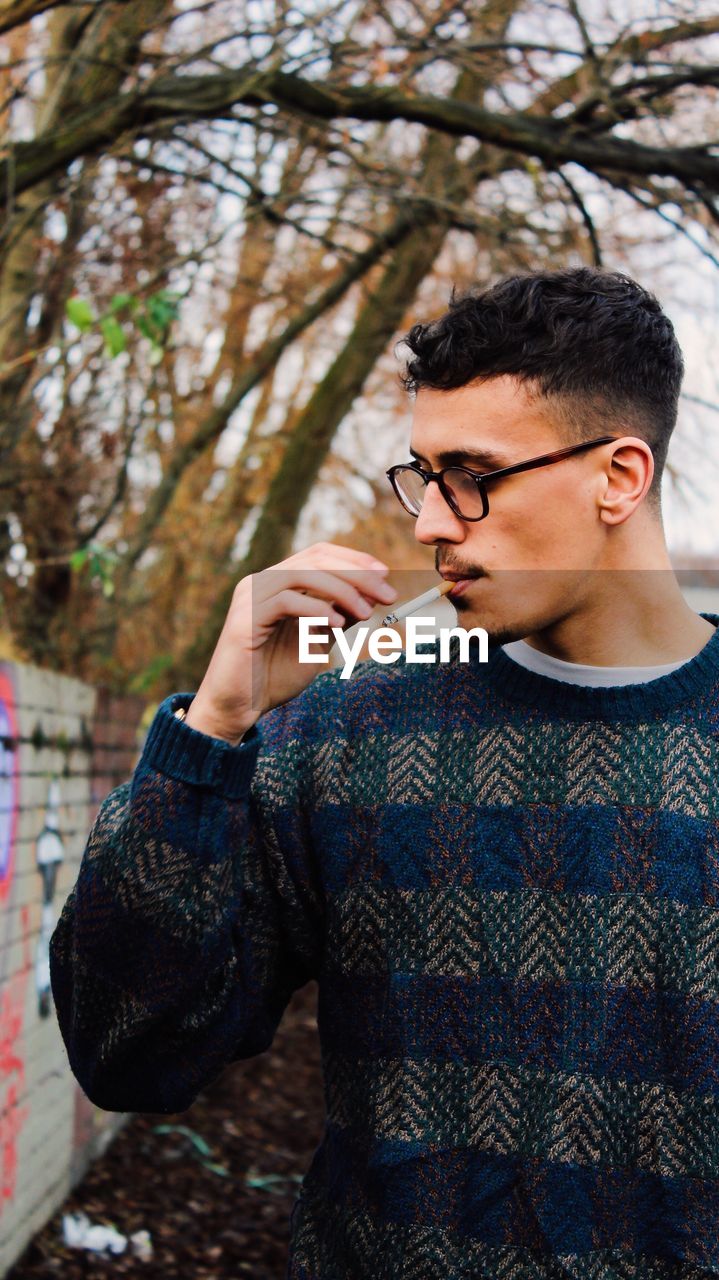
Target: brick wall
[(63, 746)]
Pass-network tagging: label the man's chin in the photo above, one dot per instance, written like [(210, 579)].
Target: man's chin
[(499, 630)]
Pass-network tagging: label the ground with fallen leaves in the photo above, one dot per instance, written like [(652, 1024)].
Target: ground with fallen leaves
[(216, 1199)]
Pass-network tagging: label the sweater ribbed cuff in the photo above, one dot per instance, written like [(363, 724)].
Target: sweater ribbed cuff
[(174, 748)]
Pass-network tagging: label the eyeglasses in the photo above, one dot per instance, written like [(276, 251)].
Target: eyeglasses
[(464, 490)]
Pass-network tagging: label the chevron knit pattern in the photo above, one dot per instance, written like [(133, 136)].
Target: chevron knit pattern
[(507, 889)]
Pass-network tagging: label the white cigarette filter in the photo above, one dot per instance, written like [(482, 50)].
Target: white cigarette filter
[(427, 597)]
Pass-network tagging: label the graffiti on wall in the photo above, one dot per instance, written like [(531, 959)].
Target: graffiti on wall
[(9, 785), (49, 853), (13, 1114), (36, 845), (13, 991)]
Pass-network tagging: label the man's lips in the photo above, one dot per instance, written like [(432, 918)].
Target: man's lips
[(461, 579)]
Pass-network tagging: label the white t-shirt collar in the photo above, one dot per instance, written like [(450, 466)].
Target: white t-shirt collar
[(581, 673)]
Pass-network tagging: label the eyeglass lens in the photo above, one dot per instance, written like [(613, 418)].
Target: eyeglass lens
[(462, 489)]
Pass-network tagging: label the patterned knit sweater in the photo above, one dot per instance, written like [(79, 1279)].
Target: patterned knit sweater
[(507, 889)]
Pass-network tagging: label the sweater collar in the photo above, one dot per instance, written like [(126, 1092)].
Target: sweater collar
[(692, 679)]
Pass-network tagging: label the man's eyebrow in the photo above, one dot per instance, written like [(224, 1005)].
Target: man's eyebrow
[(487, 460)]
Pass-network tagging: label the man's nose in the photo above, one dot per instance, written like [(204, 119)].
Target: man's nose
[(436, 520)]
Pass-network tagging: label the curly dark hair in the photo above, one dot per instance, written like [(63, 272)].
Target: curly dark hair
[(594, 343)]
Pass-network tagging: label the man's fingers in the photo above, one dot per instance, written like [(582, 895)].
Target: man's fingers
[(355, 591), (330, 555), (293, 604)]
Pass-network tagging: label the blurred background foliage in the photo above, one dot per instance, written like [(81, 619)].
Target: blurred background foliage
[(219, 219)]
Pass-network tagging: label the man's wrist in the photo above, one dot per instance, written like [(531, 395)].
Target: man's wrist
[(202, 723)]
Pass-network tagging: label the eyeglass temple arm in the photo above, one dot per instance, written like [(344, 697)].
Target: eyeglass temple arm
[(546, 458)]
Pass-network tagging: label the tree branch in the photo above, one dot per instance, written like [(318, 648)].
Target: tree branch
[(633, 49), (15, 13), (586, 219), (216, 95)]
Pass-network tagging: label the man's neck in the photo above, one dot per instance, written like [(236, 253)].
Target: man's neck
[(628, 628)]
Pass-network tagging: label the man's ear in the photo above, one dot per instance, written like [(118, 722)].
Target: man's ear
[(625, 477)]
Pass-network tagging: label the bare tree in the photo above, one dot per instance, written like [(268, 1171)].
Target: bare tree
[(247, 208)]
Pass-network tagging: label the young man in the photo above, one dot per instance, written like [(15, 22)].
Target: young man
[(504, 876)]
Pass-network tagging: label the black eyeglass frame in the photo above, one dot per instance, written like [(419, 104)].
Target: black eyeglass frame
[(482, 478)]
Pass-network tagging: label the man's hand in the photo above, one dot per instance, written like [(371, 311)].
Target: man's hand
[(255, 665)]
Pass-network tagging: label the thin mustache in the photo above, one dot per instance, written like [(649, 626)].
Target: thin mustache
[(467, 573)]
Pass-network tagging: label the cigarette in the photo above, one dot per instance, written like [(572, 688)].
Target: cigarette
[(403, 610)]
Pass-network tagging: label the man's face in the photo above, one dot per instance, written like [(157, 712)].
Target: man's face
[(536, 548)]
